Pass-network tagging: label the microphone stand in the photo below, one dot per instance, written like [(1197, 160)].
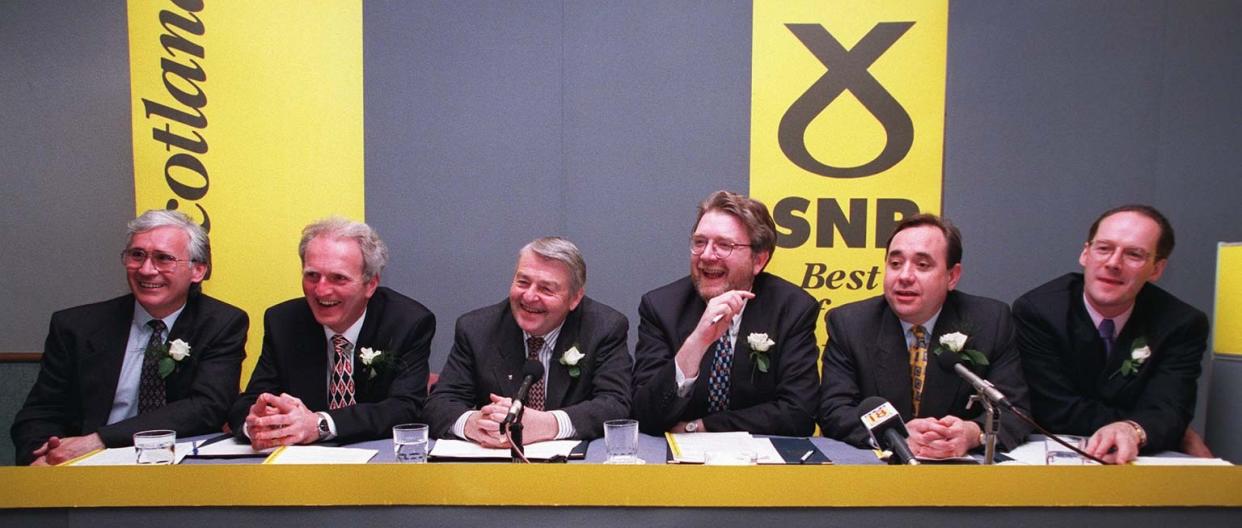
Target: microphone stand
[(516, 450), (990, 421)]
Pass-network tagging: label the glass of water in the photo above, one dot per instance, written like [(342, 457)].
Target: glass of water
[(155, 447), (1056, 454), (621, 441), (409, 443)]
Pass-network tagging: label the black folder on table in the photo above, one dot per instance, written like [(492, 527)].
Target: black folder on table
[(794, 449)]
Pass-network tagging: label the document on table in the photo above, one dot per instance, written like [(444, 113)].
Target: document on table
[(469, 450), (230, 447), (692, 448), (124, 456), (300, 454)]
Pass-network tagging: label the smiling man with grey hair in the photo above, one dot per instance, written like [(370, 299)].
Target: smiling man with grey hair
[(579, 343), (346, 361), (165, 356)]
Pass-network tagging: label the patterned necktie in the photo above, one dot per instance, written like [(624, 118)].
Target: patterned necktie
[(718, 377), (341, 390), (535, 399), (918, 365), (151, 394), (1107, 330)]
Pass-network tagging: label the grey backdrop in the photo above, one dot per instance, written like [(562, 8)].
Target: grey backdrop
[(491, 123)]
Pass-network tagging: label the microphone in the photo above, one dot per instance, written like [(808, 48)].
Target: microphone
[(950, 362), (532, 371), (887, 429)]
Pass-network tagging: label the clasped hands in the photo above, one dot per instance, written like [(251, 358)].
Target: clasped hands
[(942, 437), (483, 425), (280, 420)]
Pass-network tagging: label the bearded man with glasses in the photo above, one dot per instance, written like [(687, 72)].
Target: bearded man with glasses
[(1109, 354), (164, 356), (729, 347)]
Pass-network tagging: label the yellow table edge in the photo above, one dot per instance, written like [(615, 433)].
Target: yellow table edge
[(633, 486)]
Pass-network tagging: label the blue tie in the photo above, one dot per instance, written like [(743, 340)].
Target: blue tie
[(718, 378), (1107, 330)]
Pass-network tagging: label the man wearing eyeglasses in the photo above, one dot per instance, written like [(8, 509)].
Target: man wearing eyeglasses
[(165, 356), (1107, 353), (729, 347)]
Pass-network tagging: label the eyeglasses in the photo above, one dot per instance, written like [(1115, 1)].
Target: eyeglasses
[(723, 249), (1130, 255), (133, 258)]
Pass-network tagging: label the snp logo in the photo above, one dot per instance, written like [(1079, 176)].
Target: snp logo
[(847, 70)]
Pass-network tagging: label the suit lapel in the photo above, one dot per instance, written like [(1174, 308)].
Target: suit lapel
[(102, 363), (368, 337), (176, 383), (510, 353), (1111, 384), (940, 388), (892, 360), (559, 383)]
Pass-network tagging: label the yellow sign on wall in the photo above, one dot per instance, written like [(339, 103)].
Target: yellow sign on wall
[(248, 117), (1228, 317), (847, 133)]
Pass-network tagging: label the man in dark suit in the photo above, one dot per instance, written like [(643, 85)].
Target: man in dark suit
[(881, 347), (348, 360), (101, 378), (1109, 354), (579, 343), (729, 348)]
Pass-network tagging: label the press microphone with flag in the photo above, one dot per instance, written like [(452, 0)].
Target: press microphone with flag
[(887, 428), (950, 362), (532, 371)]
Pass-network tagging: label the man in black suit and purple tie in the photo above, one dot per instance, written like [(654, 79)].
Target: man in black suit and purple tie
[(345, 362), (548, 321), (729, 347), (166, 356), (1109, 354)]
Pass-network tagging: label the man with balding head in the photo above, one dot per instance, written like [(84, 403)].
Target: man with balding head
[(579, 343), (348, 359)]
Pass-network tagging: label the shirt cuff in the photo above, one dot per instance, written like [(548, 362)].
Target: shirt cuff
[(564, 427), (459, 427), (684, 384)]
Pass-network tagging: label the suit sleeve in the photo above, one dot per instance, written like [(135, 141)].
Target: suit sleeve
[(46, 412), (407, 394), (264, 378), (1005, 372), (791, 412), (456, 391), (839, 393), (610, 381), (1167, 403), (219, 352), (656, 404)]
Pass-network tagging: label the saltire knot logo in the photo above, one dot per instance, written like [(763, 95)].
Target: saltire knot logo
[(847, 70)]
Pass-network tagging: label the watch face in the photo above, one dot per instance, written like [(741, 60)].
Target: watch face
[(692, 426)]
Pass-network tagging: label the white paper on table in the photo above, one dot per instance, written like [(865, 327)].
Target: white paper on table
[(298, 454), (1179, 461), (1031, 453), (231, 447), (126, 456), (693, 447), (537, 451)]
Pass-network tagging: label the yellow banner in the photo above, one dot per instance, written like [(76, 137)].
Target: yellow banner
[(1228, 317), (248, 117), (847, 133)]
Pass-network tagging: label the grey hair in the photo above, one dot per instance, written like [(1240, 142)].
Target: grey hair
[(564, 251), (200, 245), (374, 251)]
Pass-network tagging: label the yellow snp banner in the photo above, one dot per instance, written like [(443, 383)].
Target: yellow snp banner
[(248, 117), (847, 133), (1228, 317)]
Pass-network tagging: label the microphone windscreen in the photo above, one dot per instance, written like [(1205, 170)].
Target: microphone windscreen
[(870, 404), (533, 368)]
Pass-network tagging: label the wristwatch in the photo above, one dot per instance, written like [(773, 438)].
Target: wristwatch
[(324, 430), (692, 426)]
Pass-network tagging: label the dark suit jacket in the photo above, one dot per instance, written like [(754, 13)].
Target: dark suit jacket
[(295, 360), (489, 352), (781, 401), (81, 367), (867, 356), (1073, 389)]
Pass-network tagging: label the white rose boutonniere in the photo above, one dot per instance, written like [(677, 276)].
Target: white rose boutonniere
[(373, 360), (759, 345), (956, 343), (1138, 355), (570, 359), (169, 356)]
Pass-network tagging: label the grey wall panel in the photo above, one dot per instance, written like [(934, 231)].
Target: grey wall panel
[(66, 165)]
